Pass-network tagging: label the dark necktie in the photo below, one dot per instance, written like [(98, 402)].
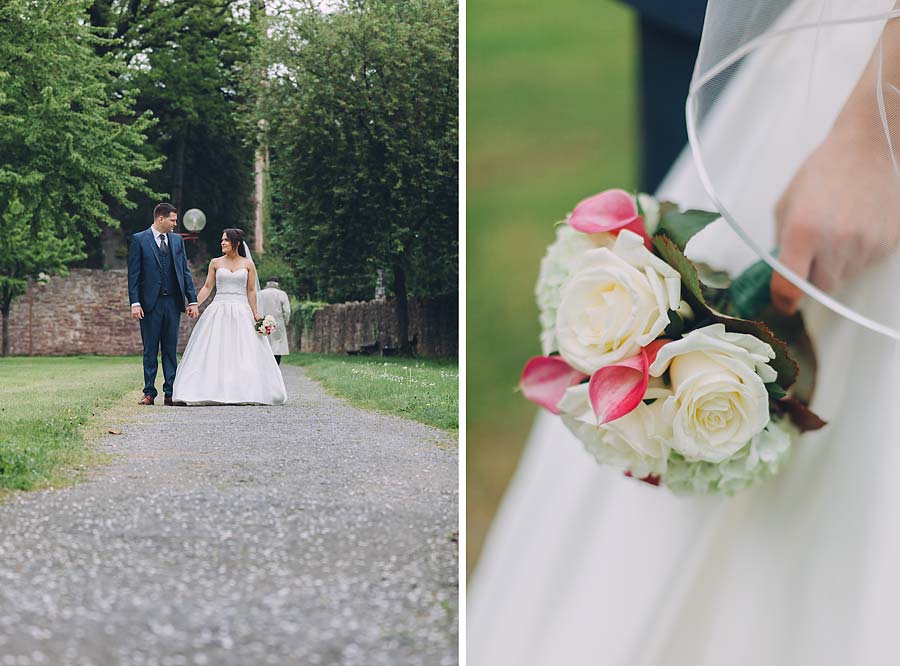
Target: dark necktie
[(163, 247)]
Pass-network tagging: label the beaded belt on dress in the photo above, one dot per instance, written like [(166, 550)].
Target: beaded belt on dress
[(231, 298)]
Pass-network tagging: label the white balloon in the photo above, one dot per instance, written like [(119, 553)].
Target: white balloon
[(194, 220)]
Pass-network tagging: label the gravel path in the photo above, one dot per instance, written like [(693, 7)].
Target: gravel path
[(312, 533)]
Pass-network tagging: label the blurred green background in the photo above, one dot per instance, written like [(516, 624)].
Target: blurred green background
[(551, 120)]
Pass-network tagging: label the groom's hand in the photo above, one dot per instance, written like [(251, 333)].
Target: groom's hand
[(193, 311), (137, 312)]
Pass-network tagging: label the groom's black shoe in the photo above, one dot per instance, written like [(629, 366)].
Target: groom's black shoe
[(146, 400), (167, 401)]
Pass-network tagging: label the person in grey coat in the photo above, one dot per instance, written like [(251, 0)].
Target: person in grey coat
[(273, 301)]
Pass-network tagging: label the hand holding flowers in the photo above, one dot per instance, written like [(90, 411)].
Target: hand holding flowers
[(265, 325)]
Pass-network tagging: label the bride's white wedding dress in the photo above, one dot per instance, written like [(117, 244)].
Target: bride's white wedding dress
[(584, 566), (226, 361)]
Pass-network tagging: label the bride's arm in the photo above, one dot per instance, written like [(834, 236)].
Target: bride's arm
[(841, 210), (251, 290), (209, 284)]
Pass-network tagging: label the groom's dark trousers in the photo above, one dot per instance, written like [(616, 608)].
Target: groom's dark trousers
[(160, 282), (159, 332)]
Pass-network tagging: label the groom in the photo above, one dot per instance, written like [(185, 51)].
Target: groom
[(159, 283)]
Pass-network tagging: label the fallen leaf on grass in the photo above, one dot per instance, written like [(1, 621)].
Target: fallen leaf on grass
[(113, 431)]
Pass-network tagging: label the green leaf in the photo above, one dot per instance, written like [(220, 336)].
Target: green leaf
[(637, 202), (783, 363), (682, 225), (712, 277), (800, 346), (749, 294), (675, 327), (775, 391)]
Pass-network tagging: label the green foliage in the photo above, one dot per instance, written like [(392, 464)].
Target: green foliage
[(550, 120), (682, 225), (750, 293), (70, 141), (270, 266), (46, 404), (31, 249), (183, 60), (783, 363), (362, 113), (307, 312), (425, 391)]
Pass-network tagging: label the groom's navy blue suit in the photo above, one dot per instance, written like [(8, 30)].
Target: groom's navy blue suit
[(161, 282), (668, 39)]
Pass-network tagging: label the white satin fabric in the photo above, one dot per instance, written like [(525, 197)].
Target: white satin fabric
[(584, 566), (226, 361)]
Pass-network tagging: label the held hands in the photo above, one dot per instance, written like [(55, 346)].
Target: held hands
[(840, 213), (138, 312)]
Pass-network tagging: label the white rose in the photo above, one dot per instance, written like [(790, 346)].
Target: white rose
[(636, 442), (556, 266), (616, 301), (756, 462), (720, 400)]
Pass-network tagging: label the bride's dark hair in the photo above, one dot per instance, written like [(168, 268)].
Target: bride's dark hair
[(236, 238)]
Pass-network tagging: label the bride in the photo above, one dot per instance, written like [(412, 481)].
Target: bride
[(585, 567), (226, 361)]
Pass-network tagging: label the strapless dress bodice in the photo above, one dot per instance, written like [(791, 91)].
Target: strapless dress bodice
[(231, 285)]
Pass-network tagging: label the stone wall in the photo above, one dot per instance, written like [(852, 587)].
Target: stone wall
[(86, 312), (371, 327)]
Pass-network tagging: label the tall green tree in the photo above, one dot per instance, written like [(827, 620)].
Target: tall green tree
[(362, 116), (70, 142), (184, 59)]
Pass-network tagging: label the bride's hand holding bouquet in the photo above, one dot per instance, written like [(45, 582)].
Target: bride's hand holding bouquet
[(264, 325)]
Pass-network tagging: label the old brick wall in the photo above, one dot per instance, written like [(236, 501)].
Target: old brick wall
[(371, 326), (86, 312)]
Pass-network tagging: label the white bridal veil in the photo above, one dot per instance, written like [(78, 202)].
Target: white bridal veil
[(803, 61), (250, 257)]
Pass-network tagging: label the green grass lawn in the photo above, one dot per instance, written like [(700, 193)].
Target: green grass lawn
[(425, 390), (551, 119), (46, 409)]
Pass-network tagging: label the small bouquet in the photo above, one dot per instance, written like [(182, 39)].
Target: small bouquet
[(663, 368), (265, 325)]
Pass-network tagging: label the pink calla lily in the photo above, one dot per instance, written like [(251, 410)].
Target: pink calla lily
[(653, 349), (610, 211), (617, 389), (545, 380)]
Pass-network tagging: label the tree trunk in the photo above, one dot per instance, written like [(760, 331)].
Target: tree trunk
[(178, 186), (4, 312), (402, 305), (261, 158), (259, 199)]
